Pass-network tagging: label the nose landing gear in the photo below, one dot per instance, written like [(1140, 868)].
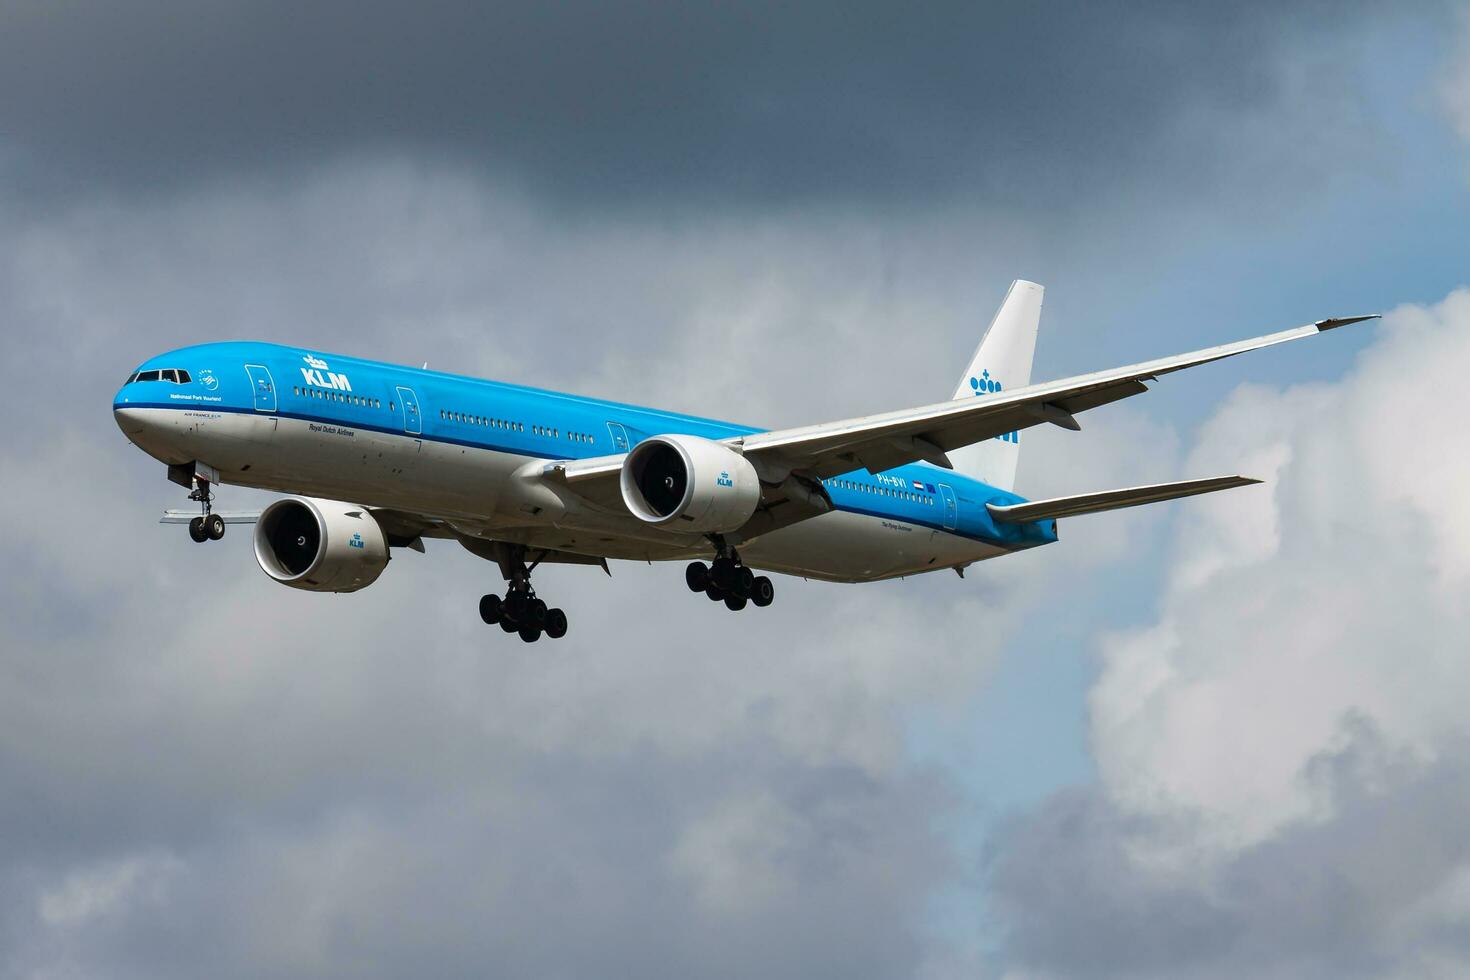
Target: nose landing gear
[(208, 526), (521, 611), (728, 580)]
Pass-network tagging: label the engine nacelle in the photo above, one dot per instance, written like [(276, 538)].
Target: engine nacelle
[(689, 484), (320, 545)]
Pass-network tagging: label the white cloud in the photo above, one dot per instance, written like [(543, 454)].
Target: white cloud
[(1337, 591), (86, 894)]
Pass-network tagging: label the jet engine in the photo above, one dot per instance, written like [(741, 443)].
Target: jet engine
[(320, 545), (686, 483)]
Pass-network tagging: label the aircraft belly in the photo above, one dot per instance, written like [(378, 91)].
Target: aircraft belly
[(845, 547)]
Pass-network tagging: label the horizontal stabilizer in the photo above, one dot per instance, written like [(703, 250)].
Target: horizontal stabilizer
[(230, 516), (1093, 503)]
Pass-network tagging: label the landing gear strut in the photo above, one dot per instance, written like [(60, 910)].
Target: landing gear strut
[(520, 611), (207, 526), (728, 580)]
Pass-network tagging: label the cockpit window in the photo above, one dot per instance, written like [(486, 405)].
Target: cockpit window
[(176, 376)]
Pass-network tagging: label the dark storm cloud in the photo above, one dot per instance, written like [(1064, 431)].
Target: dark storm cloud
[(1366, 892), (623, 102)]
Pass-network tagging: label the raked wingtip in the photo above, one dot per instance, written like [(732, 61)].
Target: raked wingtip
[(1333, 322)]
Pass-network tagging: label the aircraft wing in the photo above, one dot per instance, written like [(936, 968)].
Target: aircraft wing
[(881, 442)]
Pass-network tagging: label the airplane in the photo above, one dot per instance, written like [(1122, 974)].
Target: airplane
[(377, 457)]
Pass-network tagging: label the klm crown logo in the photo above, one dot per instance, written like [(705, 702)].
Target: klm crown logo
[(725, 480), (986, 385), (355, 541)]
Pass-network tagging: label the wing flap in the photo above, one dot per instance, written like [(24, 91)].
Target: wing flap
[(1094, 503)]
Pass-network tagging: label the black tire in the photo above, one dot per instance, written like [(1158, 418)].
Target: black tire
[(509, 625), (735, 603), (514, 606), (197, 532), (490, 609), (722, 574), (214, 526), (762, 591), (696, 576), (530, 634), (744, 582), (715, 593), (556, 624), (535, 614)]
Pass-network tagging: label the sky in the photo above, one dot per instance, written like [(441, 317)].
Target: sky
[(1217, 738)]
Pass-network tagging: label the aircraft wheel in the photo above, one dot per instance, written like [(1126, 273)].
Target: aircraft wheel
[(762, 592), (530, 634), (535, 613), (715, 593), (214, 526), (490, 609), (197, 532), (744, 582), (735, 603), (556, 624), (509, 625), (696, 576)]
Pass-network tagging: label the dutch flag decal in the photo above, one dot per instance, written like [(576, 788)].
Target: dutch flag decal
[(918, 485)]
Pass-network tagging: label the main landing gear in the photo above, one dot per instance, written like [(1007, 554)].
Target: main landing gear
[(728, 580), (520, 611), (207, 526)]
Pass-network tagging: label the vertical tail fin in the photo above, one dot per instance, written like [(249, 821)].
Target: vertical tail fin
[(1003, 360)]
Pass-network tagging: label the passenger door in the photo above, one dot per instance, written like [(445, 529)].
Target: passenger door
[(412, 423), (619, 437), (951, 510), (262, 386)]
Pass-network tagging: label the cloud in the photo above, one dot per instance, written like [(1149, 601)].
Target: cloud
[(1377, 890), (643, 104), (201, 766), (1282, 788), (776, 215)]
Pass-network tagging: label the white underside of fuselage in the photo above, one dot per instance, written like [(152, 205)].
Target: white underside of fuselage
[(474, 490)]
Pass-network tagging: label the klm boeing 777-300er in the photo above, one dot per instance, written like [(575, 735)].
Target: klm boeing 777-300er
[(378, 457)]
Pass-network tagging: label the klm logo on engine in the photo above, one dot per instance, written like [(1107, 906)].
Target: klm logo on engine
[(986, 385), (317, 375), (356, 541), (725, 480)]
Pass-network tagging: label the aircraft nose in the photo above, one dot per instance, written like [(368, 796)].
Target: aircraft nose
[(129, 420)]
